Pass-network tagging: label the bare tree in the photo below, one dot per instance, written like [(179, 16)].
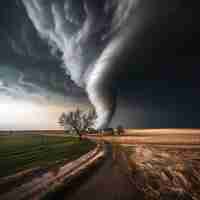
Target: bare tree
[(78, 121)]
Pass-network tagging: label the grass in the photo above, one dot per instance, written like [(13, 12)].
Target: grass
[(20, 152)]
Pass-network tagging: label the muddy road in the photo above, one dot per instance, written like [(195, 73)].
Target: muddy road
[(111, 181), (142, 172)]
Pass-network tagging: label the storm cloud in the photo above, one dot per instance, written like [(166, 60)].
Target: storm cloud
[(86, 51), (90, 55), (101, 46), (101, 42)]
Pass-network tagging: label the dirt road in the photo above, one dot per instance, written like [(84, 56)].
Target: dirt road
[(144, 172), (158, 167), (110, 182)]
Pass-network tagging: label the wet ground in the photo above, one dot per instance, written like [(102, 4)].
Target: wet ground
[(142, 167), (144, 172), (110, 181)]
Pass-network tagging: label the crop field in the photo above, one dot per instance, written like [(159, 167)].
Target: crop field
[(20, 152), (165, 172)]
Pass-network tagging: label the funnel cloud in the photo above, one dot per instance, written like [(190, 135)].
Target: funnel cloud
[(88, 53), (102, 46)]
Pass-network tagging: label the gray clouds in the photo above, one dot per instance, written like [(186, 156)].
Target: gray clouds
[(90, 62), (101, 42)]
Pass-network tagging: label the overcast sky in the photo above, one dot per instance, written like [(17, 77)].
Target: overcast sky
[(137, 62)]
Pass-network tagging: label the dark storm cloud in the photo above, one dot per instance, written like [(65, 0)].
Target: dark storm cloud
[(80, 46), (103, 46), (18, 34), (27, 67), (105, 43), (159, 104)]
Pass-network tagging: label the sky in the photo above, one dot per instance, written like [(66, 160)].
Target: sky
[(136, 62)]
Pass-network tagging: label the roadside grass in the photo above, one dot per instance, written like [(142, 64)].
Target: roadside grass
[(20, 152)]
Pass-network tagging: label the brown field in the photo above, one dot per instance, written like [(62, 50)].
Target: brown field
[(144, 164), (162, 164), (165, 172), (158, 131), (154, 136)]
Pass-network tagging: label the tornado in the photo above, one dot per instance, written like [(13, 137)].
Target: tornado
[(92, 38)]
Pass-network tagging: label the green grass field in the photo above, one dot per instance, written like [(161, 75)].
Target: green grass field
[(26, 151)]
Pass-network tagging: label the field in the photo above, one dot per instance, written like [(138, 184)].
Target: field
[(20, 152), (159, 164), (165, 172)]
